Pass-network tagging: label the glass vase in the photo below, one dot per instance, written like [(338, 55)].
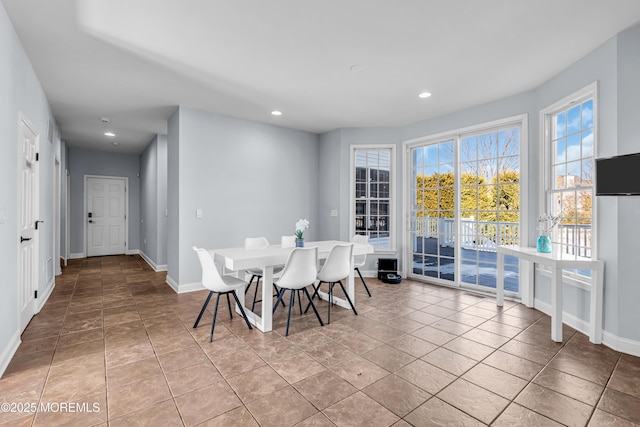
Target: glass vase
[(544, 244), (300, 242)]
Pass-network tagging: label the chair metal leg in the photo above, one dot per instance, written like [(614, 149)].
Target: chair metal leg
[(363, 282), (315, 293), (246, 319), (255, 295), (275, 306), (299, 300), (291, 302), (249, 284), (278, 293), (215, 314), (313, 306), (348, 299), (330, 303), (229, 305), (195, 325)]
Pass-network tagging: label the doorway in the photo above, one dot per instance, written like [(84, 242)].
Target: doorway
[(465, 199), (106, 215), (29, 194)]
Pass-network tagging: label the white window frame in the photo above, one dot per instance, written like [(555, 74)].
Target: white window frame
[(546, 172), (392, 191)]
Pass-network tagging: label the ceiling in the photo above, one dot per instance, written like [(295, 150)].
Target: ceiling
[(324, 64)]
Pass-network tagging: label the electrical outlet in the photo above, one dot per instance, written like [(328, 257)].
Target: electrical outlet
[(334, 212)]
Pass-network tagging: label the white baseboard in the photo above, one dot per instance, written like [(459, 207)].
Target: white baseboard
[(614, 342), (8, 352), (132, 252), (152, 264), (42, 299), (623, 345), (367, 273), (77, 256), (190, 287), (187, 287), (172, 283)]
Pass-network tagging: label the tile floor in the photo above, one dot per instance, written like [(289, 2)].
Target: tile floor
[(115, 337)]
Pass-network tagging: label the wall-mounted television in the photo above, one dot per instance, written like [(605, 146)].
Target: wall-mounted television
[(618, 176)]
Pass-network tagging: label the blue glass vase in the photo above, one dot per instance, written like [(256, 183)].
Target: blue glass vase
[(544, 244), (300, 243)]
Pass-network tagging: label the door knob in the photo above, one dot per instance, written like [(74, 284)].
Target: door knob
[(90, 221), (24, 239)]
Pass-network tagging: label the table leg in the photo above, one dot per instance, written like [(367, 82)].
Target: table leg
[(556, 304), (267, 298), (351, 284), (500, 281), (595, 335)]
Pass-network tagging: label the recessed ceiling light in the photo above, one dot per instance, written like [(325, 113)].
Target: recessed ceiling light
[(356, 68), (115, 143), (276, 113), (105, 120), (424, 95), (109, 134)]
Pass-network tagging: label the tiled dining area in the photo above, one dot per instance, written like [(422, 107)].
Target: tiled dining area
[(115, 336)]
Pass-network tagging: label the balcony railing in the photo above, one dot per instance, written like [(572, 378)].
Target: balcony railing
[(574, 239)]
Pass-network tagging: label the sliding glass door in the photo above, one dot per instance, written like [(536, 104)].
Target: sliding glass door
[(465, 201), (433, 213)]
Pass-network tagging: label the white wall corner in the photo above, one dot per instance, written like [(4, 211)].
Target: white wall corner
[(152, 264), (184, 288), (190, 287), (9, 351)]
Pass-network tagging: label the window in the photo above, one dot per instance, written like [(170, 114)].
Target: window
[(569, 170), (372, 194)]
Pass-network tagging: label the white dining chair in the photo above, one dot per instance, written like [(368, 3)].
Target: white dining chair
[(253, 243), (360, 260), (299, 272), (218, 284), (336, 267)]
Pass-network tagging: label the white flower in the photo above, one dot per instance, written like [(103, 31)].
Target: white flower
[(301, 225), (546, 223)]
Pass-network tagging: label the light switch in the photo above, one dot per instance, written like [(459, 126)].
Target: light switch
[(334, 212), (198, 213)]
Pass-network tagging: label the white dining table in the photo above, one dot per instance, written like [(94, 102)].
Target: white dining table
[(238, 260)]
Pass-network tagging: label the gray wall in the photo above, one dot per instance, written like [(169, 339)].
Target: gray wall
[(21, 92), (250, 179), (153, 201), (90, 162), (625, 224), (149, 201)]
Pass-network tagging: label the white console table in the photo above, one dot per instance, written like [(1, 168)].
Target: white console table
[(556, 261)]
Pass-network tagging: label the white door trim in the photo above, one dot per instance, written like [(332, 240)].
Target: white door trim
[(126, 210)]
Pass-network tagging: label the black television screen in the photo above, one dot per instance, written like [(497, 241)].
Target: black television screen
[(618, 176)]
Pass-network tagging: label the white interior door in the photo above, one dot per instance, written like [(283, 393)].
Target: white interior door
[(106, 215), (28, 256)]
